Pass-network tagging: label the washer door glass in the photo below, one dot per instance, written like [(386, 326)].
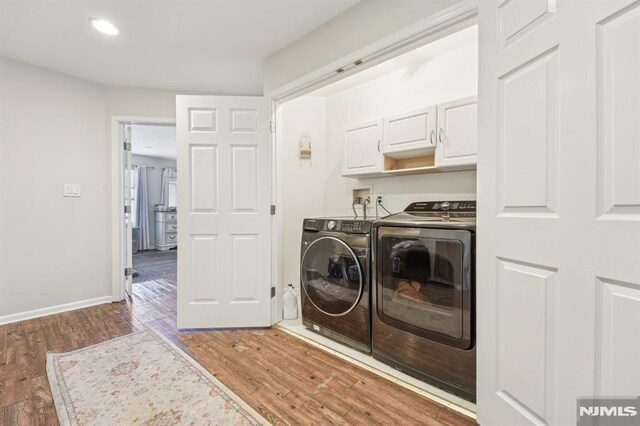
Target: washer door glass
[(331, 276)]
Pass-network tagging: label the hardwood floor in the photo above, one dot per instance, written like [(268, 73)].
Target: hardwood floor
[(284, 378)]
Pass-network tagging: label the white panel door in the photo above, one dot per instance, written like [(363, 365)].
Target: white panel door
[(224, 222), (457, 133), (558, 243), (361, 148), (410, 134)]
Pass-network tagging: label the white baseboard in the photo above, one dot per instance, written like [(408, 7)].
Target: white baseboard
[(36, 313)]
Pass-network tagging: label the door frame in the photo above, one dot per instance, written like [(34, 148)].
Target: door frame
[(117, 196), (445, 22)]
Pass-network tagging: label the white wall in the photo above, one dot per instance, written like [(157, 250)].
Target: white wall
[(302, 180), (154, 185), (357, 27), (141, 102), (53, 130)]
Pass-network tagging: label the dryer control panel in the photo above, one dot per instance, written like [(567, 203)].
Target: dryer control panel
[(348, 226)]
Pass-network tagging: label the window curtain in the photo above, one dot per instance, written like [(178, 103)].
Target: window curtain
[(142, 208), (167, 174)]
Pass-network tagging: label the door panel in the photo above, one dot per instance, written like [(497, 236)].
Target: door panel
[(203, 179), (619, 304), (619, 86), (528, 140), (525, 295), (558, 218), (518, 18), (245, 278), (224, 224), (244, 186), (204, 264)]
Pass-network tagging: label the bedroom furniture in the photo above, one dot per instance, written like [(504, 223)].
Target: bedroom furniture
[(166, 230)]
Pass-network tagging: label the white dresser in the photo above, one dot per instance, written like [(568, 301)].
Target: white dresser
[(166, 230)]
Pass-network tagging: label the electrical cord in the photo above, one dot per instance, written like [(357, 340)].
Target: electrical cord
[(379, 203)]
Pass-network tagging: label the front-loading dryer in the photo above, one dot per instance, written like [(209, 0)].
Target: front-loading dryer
[(423, 285), (334, 277)]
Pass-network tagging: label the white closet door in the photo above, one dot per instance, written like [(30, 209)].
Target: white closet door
[(457, 132), (558, 245), (224, 221)]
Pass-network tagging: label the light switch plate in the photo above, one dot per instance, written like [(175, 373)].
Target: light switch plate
[(71, 190)]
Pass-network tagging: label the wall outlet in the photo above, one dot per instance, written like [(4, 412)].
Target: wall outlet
[(71, 190)]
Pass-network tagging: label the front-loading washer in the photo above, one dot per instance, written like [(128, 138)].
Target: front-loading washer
[(334, 277)]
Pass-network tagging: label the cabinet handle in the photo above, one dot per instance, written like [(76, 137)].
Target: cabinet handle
[(440, 133), (432, 137), (378, 145)]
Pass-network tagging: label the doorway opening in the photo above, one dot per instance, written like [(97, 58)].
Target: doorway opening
[(153, 189), (144, 210)]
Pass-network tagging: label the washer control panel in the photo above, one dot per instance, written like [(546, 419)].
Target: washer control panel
[(348, 226)]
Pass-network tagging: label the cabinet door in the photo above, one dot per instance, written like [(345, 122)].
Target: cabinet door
[(457, 133), (361, 149), (410, 134)]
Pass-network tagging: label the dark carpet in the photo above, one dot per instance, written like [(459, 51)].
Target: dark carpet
[(155, 264)]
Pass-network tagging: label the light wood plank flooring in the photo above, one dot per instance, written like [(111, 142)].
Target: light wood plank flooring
[(284, 378)]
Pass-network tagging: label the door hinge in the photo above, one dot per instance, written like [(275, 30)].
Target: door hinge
[(127, 209), (128, 272), (273, 209), (273, 292), (127, 146), (272, 126)]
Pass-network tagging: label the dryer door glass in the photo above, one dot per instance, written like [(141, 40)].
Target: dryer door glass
[(423, 285), (331, 276)]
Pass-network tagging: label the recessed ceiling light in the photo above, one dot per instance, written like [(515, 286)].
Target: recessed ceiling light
[(148, 146), (104, 26)]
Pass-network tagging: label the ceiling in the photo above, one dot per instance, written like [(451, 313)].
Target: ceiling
[(154, 140), (215, 46), (420, 55)]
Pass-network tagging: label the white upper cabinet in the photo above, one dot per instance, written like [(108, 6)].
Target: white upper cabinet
[(362, 153), (457, 133), (410, 134), (438, 138)]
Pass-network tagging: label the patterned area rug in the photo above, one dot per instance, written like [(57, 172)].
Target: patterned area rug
[(141, 378)]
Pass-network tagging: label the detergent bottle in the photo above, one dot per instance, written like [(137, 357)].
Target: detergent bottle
[(290, 304)]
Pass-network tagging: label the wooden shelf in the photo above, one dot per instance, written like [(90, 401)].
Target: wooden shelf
[(409, 166)]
